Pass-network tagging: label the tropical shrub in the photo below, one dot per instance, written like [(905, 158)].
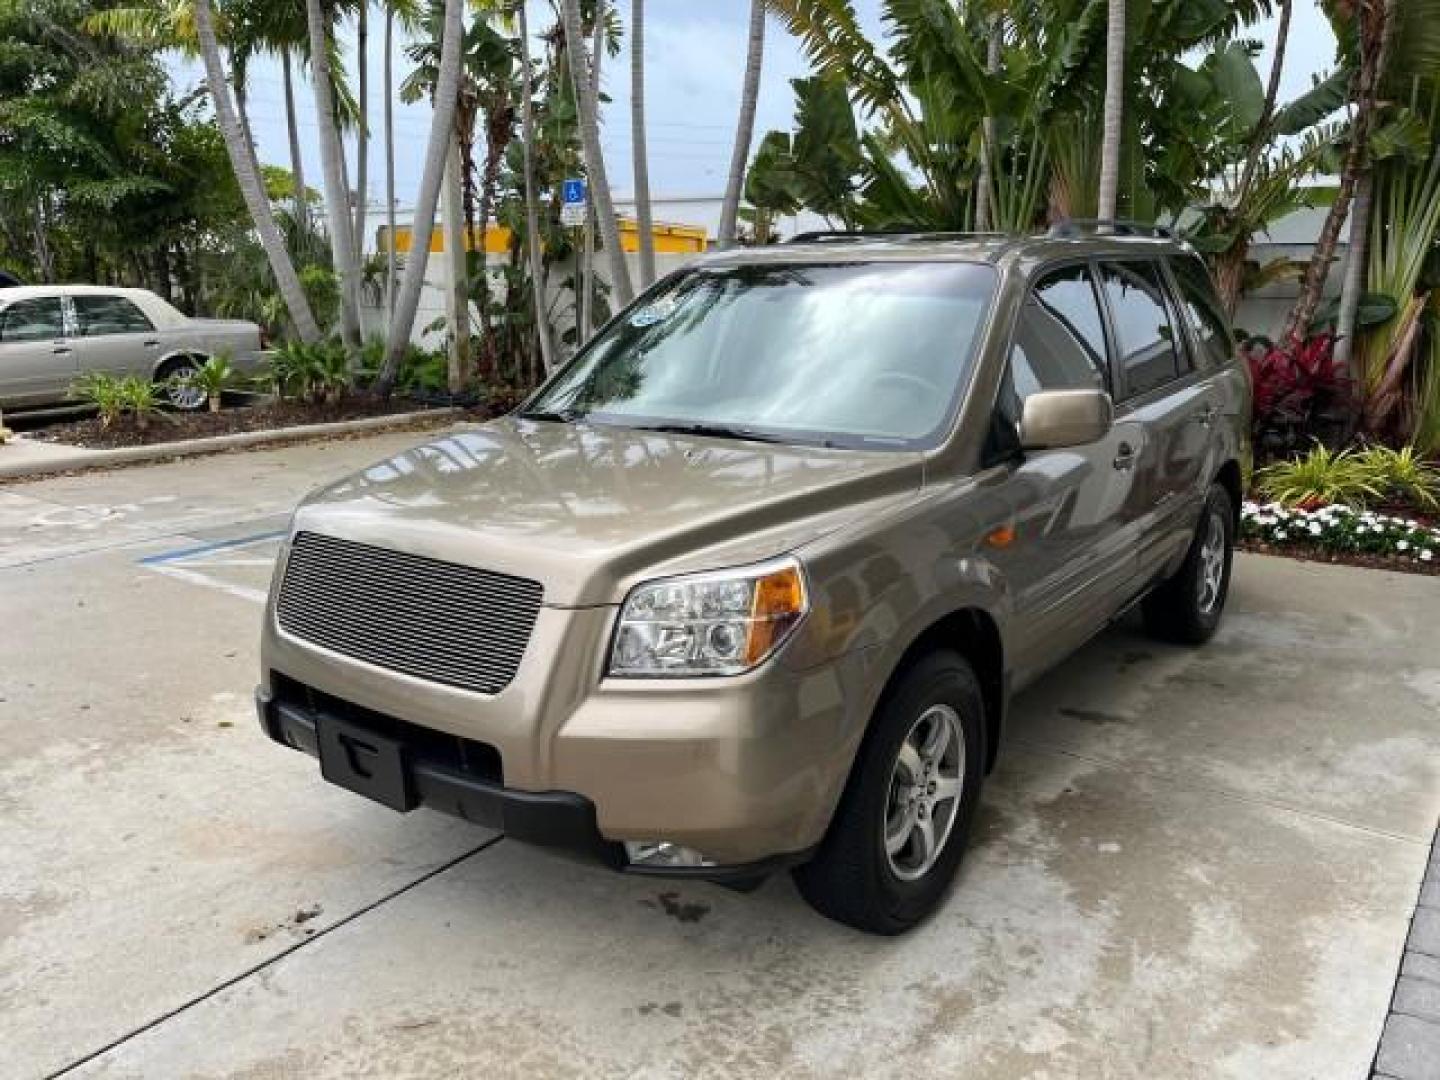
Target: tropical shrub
[(213, 378), (1402, 476), (1321, 477), (1341, 530), (114, 398), (1299, 393), (300, 372)]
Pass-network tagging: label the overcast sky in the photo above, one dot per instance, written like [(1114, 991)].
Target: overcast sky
[(695, 59)]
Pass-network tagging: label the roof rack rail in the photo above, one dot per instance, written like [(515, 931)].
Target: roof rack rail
[(822, 236), (1117, 226)]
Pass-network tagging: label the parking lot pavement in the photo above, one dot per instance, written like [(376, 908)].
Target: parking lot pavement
[(1188, 863)]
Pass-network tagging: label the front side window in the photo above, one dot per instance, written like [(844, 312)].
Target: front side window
[(33, 320), (1059, 340), (109, 315), (1146, 342), (866, 355), (1201, 309)]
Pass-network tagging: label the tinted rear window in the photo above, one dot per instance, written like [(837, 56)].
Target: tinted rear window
[(1201, 310)]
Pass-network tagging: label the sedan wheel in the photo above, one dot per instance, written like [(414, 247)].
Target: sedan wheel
[(179, 393)]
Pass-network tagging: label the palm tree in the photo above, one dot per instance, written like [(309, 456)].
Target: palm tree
[(987, 131), (252, 188), (1371, 22), (587, 101), (745, 128), (389, 78), (532, 197), (637, 144), (442, 124), (292, 129), (337, 196), (1114, 106), (362, 134)]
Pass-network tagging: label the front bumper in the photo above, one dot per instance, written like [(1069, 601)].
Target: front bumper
[(458, 784)]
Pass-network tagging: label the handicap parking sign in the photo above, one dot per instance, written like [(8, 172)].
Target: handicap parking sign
[(573, 191)]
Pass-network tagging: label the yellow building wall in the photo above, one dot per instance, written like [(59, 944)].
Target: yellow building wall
[(669, 239)]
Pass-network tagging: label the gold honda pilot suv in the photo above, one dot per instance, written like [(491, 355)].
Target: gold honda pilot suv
[(748, 584)]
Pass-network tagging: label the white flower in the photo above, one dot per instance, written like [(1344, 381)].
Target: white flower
[(1426, 555), (1315, 530), (1280, 534), (1403, 545)]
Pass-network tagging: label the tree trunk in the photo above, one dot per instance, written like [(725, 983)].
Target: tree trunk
[(442, 127), (586, 327), (1261, 136), (1114, 107), (1372, 40), (457, 285), (292, 128), (389, 164), (362, 137), (1356, 258), (594, 157), (643, 219), (987, 137), (337, 197), (532, 207), (248, 178), (745, 128)]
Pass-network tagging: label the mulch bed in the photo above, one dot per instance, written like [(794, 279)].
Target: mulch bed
[(1308, 553), (271, 416)]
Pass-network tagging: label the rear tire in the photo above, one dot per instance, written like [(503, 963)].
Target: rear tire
[(874, 870), (1187, 607), (181, 399)]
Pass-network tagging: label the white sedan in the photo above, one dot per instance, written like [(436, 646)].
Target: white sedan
[(50, 334)]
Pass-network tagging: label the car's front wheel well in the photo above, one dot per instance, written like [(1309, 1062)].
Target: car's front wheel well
[(974, 634)]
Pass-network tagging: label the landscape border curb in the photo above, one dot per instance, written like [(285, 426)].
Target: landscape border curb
[(88, 460)]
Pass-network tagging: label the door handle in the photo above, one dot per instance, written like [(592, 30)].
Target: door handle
[(61, 347), (1124, 457), (151, 343)]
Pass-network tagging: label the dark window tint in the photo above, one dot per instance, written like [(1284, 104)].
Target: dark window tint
[(32, 320), (109, 315), (1059, 340), (1146, 341), (1201, 309)]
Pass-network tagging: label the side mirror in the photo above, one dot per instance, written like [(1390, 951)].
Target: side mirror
[(1054, 419)]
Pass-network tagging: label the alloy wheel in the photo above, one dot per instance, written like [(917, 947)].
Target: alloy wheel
[(924, 797)]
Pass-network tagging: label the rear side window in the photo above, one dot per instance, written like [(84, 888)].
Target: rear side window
[(109, 315), (32, 320), (1146, 353), (1201, 310), (1059, 340)]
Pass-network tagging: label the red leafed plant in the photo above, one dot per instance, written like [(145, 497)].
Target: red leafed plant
[(1300, 395)]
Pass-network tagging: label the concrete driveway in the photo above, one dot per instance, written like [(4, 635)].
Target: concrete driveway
[(1189, 864)]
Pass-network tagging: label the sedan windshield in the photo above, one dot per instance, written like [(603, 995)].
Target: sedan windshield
[(871, 354)]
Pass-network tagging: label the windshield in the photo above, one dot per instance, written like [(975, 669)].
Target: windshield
[(849, 355)]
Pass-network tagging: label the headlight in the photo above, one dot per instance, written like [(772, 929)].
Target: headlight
[(709, 624)]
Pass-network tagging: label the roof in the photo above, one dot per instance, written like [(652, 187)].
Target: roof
[(938, 247), (27, 292)]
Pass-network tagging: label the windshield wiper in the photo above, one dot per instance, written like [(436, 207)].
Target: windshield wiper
[(559, 416), (718, 431)]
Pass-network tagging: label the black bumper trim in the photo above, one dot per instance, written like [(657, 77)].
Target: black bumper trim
[(561, 820)]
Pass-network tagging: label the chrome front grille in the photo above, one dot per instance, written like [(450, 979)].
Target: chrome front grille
[(434, 620)]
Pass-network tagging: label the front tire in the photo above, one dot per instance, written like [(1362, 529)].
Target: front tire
[(903, 822), (1186, 608)]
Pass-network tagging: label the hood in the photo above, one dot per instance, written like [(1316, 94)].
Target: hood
[(588, 510)]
